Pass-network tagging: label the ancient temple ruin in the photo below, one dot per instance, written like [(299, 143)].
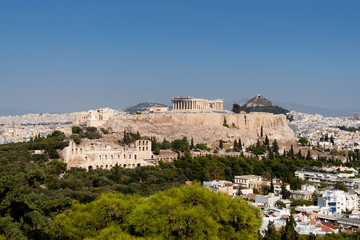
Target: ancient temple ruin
[(196, 104)]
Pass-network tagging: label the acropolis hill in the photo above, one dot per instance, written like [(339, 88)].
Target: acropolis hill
[(205, 127), (203, 120)]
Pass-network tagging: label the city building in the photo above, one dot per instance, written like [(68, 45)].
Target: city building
[(338, 201), (356, 116), (245, 181), (327, 178), (222, 186)]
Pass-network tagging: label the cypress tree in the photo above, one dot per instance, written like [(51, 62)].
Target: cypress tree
[(261, 132), (267, 142), (291, 152), (221, 145), (299, 155), (240, 144), (275, 148), (271, 190), (270, 232), (308, 155), (289, 232), (192, 146)]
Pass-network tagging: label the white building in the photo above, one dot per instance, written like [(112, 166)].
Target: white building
[(268, 201), (338, 201), (222, 186), (245, 180)]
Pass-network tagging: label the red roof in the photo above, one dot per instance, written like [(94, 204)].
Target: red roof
[(329, 225)]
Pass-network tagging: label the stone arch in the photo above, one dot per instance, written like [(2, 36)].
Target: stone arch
[(124, 166), (133, 166), (138, 164), (135, 157), (90, 168), (97, 166)]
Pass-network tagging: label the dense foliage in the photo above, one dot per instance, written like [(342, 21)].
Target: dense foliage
[(189, 212), (34, 188)]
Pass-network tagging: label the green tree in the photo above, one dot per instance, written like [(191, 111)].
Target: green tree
[(221, 145), (280, 203), (341, 186), (303, 141), (271, 189), (261, 132), (156, 151), (76, 130), (267, 142), (291, 152), (236, 108), (275, 148), (288, 232), (180, 145), (284, 192), (270, 233), (308, 155), (189, 212)]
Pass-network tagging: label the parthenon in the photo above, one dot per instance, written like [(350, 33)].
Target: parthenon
[(196, 104)]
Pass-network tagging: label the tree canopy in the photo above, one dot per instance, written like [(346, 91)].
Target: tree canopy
[(188, 212)]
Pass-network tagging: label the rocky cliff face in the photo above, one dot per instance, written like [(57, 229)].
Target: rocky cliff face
[(205, 127)]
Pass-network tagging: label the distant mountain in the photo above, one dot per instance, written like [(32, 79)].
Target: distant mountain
[(260, 104), (318, 110), (141, 107)]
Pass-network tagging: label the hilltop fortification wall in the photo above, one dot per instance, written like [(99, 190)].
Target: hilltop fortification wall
[(205, 127)]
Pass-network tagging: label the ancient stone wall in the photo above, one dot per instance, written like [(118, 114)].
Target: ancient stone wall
[(92, 154), (205, 127)]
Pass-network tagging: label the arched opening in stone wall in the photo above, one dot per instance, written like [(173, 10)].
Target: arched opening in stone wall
[(124, 165), (133, 166), (138, 165), (90, 167)]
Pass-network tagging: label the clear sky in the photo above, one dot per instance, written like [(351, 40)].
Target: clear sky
[(64, 56)]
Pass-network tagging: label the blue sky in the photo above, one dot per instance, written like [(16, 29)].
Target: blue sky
[(64, 56)]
